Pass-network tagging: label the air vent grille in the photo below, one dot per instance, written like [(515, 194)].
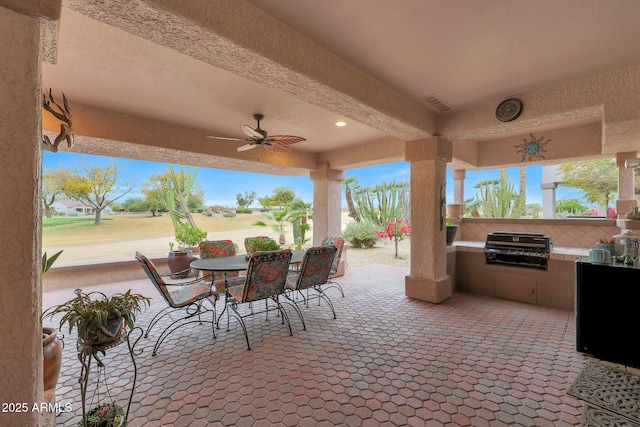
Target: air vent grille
[(435, 103)]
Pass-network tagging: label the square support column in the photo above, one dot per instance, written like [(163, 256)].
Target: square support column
[(20, 214), (626, 184), (327, 210), (428, 279), (458, 185)]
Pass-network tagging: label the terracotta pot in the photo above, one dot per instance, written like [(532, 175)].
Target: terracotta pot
[(52, 357), (455, 210), (179, 262)]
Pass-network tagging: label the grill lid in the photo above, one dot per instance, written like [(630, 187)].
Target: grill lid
[(531, 241)]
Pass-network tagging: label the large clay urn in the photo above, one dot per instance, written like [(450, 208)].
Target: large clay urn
[(52, 357), (179, 263)]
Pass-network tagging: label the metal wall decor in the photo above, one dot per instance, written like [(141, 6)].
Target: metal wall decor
[(532, 148), (509, 110), (66, 127)]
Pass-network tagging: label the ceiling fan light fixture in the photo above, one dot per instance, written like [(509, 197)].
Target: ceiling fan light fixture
[(259, 137)]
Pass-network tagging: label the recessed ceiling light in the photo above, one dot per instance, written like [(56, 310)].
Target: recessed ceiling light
[(341, 123)]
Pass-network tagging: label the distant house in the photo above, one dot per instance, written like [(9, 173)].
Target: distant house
[(76, 208)]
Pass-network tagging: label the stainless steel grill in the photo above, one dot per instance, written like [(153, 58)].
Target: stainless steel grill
[(529, 250)]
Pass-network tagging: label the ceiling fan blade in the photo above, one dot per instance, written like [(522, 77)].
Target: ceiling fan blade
[(251, 132), (286, 139), (276, 147), (246, 147), (226, 138)]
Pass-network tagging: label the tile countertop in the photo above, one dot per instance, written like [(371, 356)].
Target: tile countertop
[(558, 252)]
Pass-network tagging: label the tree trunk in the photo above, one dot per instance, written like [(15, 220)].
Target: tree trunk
[(350, 206), (523, 188), (98, 214)]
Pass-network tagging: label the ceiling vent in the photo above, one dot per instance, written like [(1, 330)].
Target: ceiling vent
[(435, 103)]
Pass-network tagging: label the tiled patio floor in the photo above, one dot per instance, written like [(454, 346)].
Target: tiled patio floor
[(386, 360)]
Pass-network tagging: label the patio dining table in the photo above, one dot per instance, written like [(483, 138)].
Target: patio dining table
[(236, 262)]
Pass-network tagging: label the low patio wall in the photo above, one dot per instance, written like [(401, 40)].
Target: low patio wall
[(90, 274)]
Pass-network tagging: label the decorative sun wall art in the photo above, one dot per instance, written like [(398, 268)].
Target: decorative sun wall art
[(532, 148)]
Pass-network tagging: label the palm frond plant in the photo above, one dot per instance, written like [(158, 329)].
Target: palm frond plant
[(97, 316), (47, 262)]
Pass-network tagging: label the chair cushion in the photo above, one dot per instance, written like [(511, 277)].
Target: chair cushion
[(183, 295)]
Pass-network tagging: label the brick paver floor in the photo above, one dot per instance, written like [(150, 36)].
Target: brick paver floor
[(386, 360)]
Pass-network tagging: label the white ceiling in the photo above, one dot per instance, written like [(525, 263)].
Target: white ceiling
[(467, 52)]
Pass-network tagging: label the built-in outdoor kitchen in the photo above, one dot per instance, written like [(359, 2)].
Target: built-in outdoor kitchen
[(527, 260)]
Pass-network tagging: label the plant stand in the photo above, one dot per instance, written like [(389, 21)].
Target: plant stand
[(89, 352)]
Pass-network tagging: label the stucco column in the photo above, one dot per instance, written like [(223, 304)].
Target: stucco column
[(20, 215), (549, 199), (458, 185), (327, 211), (428, 279), (626, 184)]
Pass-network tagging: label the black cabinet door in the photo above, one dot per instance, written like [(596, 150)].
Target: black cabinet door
[(608, 312)]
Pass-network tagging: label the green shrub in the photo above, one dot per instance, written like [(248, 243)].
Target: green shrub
[(228, 214), (361, 234), (244, 211), (256, 245)]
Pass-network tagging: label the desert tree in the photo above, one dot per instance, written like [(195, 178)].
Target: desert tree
[(53, 185), (96, 187)]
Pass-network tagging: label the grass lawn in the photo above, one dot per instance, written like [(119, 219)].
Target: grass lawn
[(122, 228)]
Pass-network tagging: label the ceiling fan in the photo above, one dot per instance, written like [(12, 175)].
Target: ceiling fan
[(259, 137)]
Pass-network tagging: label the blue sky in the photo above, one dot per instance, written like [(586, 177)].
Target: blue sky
[(221, 186)]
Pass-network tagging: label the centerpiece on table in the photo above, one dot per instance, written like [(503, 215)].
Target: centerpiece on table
[(258, 245)]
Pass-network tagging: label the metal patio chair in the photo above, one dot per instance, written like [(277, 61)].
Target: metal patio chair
[(338, 242), (313, 273), (265, 280), (217, 249), (187, 298)]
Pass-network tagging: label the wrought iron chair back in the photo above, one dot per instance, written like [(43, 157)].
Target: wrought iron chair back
[(338, 242), (313, 273), (186, 297), (265, 280), (217, 249), (315, 267)]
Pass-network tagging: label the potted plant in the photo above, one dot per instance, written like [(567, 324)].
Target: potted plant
[(105, 415), (99, 318), (51, 344), (187, 237), (452, 229)]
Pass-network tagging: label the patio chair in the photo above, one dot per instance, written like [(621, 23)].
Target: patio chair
[(186, 297), (247, 242), (265, 280), (338, 242), (217, 249), (313, 273)]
